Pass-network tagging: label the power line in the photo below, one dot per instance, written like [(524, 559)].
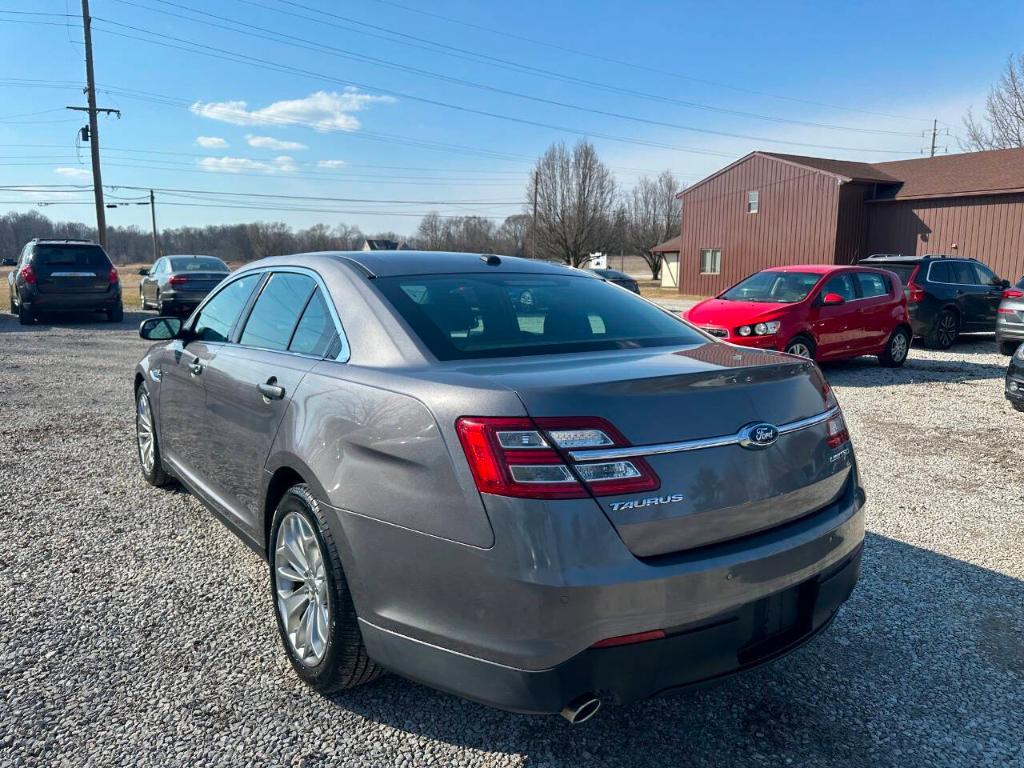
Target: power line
[(321, 198), (635, 65), (268, 34)]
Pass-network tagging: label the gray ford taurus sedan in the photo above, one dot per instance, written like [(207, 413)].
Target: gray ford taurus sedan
[(504, 478)]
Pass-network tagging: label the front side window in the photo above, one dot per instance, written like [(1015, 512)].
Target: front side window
[(872, 285), (841, 284), (710, 261), (752, 201), (218, 316), (460, 317), (772, 287), (276, 311)]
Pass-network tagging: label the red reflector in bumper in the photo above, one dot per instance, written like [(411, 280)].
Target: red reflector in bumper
[(639, 637)]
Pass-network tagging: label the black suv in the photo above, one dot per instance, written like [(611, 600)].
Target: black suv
[(64, 276), (946, 295)]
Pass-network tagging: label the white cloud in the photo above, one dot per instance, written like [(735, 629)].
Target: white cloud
[(74, 173), (211, 142), (269, 142), (240, 164), (330, 163), (322, 111)]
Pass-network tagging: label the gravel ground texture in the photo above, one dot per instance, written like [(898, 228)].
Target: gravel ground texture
[(137, 630)]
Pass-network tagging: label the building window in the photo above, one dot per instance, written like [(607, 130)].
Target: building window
[(710, 261), (752, 199)]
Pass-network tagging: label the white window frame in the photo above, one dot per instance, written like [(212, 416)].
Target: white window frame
[(715, 258), (753, 201)]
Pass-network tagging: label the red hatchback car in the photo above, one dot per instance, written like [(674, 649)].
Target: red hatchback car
[(818, 311)]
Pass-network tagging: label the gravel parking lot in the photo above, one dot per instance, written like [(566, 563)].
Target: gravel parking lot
[(136, 630)]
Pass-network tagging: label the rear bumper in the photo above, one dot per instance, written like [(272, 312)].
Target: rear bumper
[(1009, 331), (71, 302), (752, 634), (183, 299)]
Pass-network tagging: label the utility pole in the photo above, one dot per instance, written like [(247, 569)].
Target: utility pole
[(152, 213), (935, 133), (533, 225)]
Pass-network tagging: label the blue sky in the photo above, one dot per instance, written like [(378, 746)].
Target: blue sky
[(375, 105)]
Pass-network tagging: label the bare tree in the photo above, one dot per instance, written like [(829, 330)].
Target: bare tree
[(1002, 125), (511, 235), (575, 195), (269, 238), (431, 234), (652, 217)]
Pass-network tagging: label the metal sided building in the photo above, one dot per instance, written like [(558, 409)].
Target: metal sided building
[(769, 209)]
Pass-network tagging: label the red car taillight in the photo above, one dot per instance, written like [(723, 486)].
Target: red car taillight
[(113, 275), (638, 637), (1013, 293), (27, 274), (524, 458), (837, 433), (178, 280), (915, 293)]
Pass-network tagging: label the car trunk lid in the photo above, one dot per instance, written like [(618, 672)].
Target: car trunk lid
[(660, 399), (71, 268)]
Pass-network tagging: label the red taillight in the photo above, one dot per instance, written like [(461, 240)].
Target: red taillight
[(113, 275), (1013, 293), (915, 293), (638, 637), (527, 458), (837, 432), (178, 280), (27, 274)]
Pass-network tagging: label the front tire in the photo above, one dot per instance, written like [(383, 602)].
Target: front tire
[(896, 349), (147, 442), (1008, 347), (944, 331), (316, 617), (143, 304), (801, 346)]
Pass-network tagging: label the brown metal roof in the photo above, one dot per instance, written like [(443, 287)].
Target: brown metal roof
[(850, 169), (997, 170), (669, 246)]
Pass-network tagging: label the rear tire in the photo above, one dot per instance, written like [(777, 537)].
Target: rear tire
[(160, 308), (25, 316), (116, 315), (944, 331), (1008, 347), (325, 647), (801, 346), (896, 349), (146, 441)]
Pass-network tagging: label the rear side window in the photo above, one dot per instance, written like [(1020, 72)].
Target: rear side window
[(902, 271), (841, 284), (218, 316), (276, 311), (461, 317), (316, 333), (79, 256), (872, 285)]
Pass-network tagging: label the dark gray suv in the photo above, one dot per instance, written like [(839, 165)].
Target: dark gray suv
[(534, 504)]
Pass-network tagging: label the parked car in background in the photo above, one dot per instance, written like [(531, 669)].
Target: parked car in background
[(619, 278), (7, 261), (823, 312), (946, 295), (531, 504), (176, 284), (1010, 319), (1015, 379), (64, 276)]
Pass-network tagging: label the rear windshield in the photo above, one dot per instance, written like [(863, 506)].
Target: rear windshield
[(83, 256), (773, 287), (461, 317), (198, 264), (903, 271)]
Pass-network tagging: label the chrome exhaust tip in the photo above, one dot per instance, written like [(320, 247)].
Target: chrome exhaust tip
[(581, 709)]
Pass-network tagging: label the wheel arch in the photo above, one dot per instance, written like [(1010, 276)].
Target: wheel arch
[(282, 473)]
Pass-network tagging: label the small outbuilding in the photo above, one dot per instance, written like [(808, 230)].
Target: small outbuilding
[(669, 251), (770, 209)]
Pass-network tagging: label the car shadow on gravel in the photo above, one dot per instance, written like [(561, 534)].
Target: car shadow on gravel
[(963, 363), (92, 321), (923, 666)]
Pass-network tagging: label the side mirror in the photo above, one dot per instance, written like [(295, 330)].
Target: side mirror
[(832, 299), (160, 328), (143, 271)]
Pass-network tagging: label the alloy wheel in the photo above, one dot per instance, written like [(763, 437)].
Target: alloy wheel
[(947, 330), (799, 348), (302, 595), (898, 347), (144, 432)]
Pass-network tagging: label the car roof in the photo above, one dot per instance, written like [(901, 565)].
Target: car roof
[(395, 263), (816, 269), (900, 259)]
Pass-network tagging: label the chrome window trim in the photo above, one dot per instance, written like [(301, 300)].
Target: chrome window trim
[(611, 454)]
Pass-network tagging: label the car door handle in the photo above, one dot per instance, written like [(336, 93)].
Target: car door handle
[(271, 390), (195, 367)]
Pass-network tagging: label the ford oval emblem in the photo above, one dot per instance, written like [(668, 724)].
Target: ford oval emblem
[(759, 435)]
